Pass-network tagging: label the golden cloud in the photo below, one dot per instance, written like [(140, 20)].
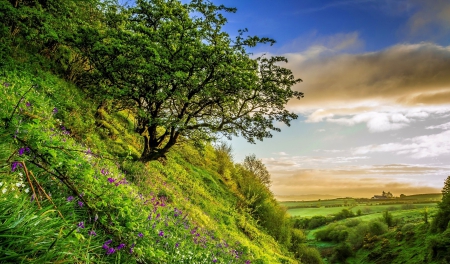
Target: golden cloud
[(407, 74)]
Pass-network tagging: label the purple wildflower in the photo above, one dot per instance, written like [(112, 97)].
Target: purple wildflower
[(28, 104), (214, 260), (122, 245), (70, 198), (15, 165), (131, 248), (104, 172), (161, 233), (81, 225), (55, 110), (21, 151), (177, 245), (110, 251), (92, 233), (6, 84), (80, 204), (140, 235), (108, 242), (247, 262), (111, 180)]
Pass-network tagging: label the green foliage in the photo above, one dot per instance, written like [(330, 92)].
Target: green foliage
[(388, 218), (309, 255), (342, 252), (345, 213), (184, 77), (257, 167), (442, 219)]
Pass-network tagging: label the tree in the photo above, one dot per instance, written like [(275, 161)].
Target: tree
[(185, 78), (257, 168), (442, 219)]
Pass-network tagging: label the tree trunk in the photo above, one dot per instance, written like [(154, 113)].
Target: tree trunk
[(152, 152)]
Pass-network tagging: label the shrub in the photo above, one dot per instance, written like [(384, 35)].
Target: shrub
[(377, 228), (309, 255), (317, 221), (342, 252)]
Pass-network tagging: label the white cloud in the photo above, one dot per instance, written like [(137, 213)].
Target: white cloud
[(445, 126), (417, 147), (378, 118)]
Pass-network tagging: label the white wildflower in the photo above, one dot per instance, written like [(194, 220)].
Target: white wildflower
[(1, 184), (4, 190), (27, 190)]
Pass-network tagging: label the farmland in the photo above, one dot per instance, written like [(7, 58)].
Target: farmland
[(367, 206), (349, 230)]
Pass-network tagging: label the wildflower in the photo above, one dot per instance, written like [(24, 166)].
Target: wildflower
[(214, 260), (110, 251), (21, 151), (92, 233), (96, 218), (70, 198), (104, 172), (55, 110), (177, 245), (1, 184), (120, 246), (4, 190), (81, 225), (80, 204), (20, 184), (140, 235), (27, 190), (111, 180), (15, 165), (161, 233), (131, 248), (28, 104), (88, 151), (108, 242), (247, 262), (6, 84)]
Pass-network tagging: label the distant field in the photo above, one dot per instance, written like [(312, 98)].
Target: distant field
[(406, 216), (365, 209), (367, 206)]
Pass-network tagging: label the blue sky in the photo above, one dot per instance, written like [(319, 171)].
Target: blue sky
[(376, 79), (376, 112)]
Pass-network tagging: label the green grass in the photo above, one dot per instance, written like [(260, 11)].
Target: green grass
[(188, 181)]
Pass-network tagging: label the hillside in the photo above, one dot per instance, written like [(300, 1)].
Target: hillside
[(90, 202)]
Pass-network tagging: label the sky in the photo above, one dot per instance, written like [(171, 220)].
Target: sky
[(376, 80)]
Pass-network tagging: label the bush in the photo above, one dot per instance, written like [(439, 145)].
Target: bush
[(377, 228), (309, 255), (317, 221), (342, 252)]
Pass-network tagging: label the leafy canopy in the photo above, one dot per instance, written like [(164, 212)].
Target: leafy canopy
[(184, 77)]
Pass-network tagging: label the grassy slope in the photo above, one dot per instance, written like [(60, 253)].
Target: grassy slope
[(409, 248), (188, 181)]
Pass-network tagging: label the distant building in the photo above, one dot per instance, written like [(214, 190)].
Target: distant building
[(379, 197)]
